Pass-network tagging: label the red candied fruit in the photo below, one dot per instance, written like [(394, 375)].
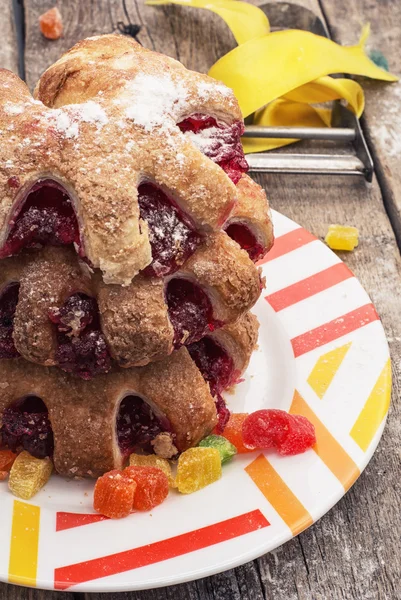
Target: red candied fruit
[(152, 486), (26, 425), (273, 428), (233, 431), (172, 237), (82, 348), (114, 494), (246, 240), (46, 217), (300, 437), (137, 425), (223, 144), (190, 311), (8, 305)]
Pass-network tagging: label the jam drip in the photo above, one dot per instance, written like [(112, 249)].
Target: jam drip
[(46, 217), (217, 368), (190, 311), (244, 237), (137, 425), (219, 142), (82, 348), (26, 425), (172, 237), (8, 304)]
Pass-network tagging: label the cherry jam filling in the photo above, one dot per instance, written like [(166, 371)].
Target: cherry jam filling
[(217, 368), (137, 425), (46, 217), (245, 238), (8, 304), (82, 348), (172, 237), (190, 311), (219, 142), (26, 425)]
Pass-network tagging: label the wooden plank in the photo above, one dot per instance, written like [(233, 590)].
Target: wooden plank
[(8, 46), (382, 118), (350, 553)]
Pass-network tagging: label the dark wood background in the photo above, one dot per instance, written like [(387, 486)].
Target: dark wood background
[(354, 551)]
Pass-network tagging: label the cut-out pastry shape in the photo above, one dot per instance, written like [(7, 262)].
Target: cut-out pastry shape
[(165, 407)]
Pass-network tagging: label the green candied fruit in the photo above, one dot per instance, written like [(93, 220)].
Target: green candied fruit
[(225, 448)]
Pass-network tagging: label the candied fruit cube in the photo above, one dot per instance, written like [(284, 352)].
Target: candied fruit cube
[(114, 495), (300, 436), (273, 428), (151, 460), (266, 428), (29, 474), (197, 468), (50, 24), (233, 432), (225, 448), (152, 486), (342, 237), (7, 458)]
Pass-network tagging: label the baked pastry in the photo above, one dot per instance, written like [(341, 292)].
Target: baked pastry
[(53, 311), (117, 69), (90, 427)]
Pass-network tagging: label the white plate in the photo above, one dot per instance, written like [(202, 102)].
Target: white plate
[(322, 352)]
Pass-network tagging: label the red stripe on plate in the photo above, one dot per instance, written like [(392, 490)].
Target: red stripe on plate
[(309, 287), (287, 243), (334, 329), (65, 577), (66, 520)]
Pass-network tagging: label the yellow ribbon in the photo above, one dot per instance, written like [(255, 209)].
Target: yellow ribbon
[(280, 76), (246, 21)]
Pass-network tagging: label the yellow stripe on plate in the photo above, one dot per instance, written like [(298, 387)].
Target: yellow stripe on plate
[(24, 544), (277, 492), (325, 368), (374, 411), (330, 451)]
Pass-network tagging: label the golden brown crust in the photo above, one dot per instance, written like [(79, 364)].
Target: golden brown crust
[(135, 321), (45, 283), (226, 274), (83, 413), (252, 210)]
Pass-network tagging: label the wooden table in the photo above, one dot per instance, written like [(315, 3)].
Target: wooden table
[(354, 551)]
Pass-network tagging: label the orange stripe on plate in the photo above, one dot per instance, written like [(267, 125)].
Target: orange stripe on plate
[(334, 329), (23, 562), (309, 287), (287, 243), (374, 410), (65, 577), (279, 495), (330, 451)]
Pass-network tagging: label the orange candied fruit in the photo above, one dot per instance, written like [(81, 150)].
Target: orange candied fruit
[(114, 494), (233, 432), (3, 475), (7, 459), (152, 486), (50, 24)]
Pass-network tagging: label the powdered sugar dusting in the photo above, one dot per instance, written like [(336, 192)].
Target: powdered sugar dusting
[(168, 100), (208, 88), (67, 120), (13, 109)]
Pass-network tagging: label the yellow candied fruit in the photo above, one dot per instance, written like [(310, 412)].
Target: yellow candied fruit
[(341, 237), (151, 460), (197, 468), (28, 475)]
